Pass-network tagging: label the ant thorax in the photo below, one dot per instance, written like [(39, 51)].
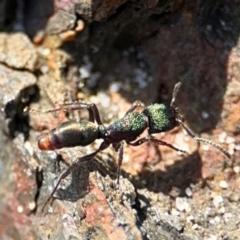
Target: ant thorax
[(127, 128)]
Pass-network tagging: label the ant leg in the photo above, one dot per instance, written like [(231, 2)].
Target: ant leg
[(224, 151), (95, 111), (75, 164), (159, 142), (155, 141), (67, 107), (136, 104), (91, 107), (119, 148), (73, 106)]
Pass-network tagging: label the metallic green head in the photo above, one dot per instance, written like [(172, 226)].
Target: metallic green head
[(161, 118)]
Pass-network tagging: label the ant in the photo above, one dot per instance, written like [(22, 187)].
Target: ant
[(156, 118)]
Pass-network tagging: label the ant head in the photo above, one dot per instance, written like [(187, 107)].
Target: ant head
[(161, 117)]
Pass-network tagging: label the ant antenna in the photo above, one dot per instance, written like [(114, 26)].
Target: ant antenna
[(174, 95), (189, 132), (224, 151)]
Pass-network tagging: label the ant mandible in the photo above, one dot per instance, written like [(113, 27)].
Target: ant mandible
[(156, 118)]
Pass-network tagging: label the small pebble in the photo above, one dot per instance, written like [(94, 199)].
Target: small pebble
[(205, 115), (237, 147), (222, 210), (212, 238), (236, 169), (205, 147), (227, 217), (230, 140), (222, 137), (46, 51), (223, 184), (182, 204), (217, 200), (217, 219), (31, 206), (175, 212), (115, 87), (104, 99), (188, 192), (190, 218), (20, 208), (84, 72), (195, 226)]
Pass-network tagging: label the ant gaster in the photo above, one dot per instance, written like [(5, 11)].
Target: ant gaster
[(156, 118)]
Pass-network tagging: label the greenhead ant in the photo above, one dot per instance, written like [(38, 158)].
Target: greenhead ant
[(156, 118)]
